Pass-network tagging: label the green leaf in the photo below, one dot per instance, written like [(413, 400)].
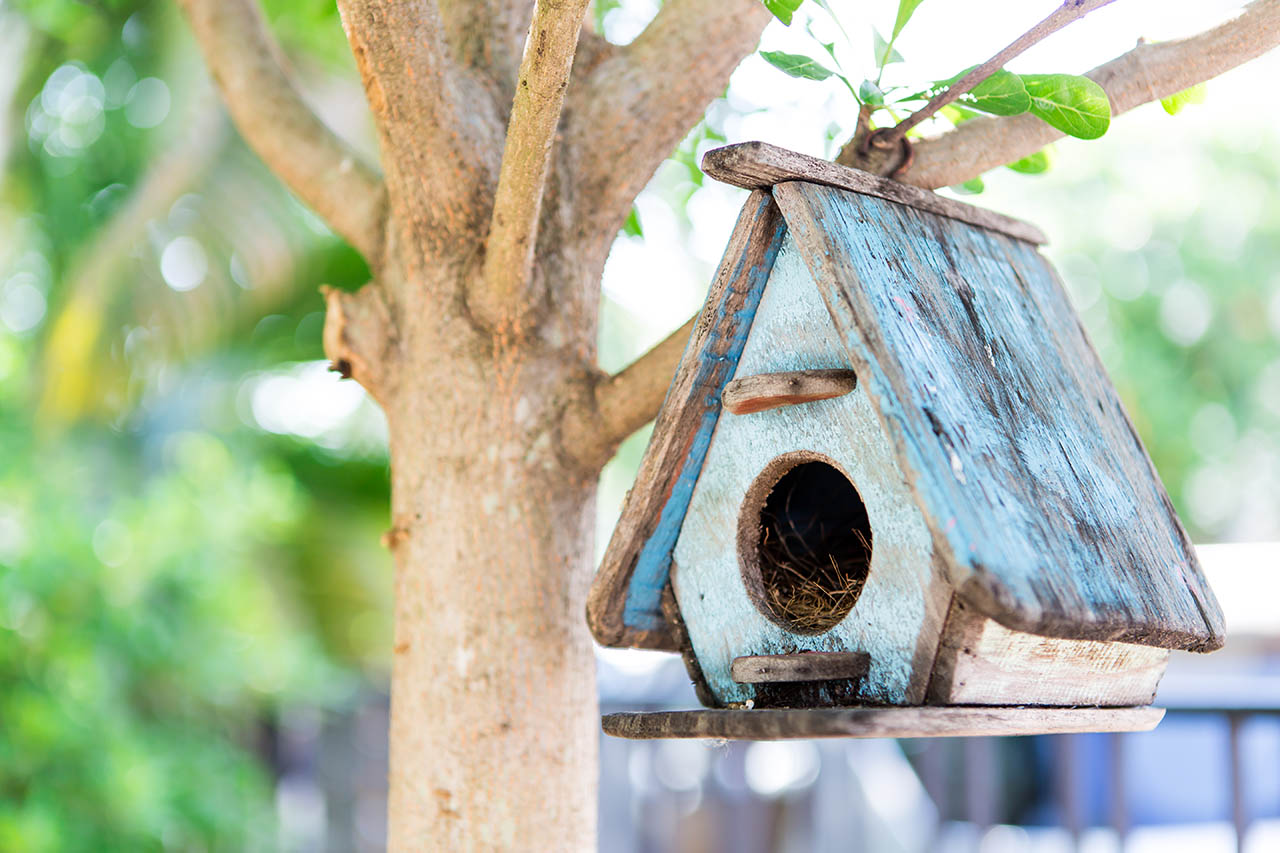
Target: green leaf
[(869, 93), (795, 65), (883, 53), (1001, 94), (783, 9), (1075, 105), (906, 8), (632, 226), (1034, 164), (1178, 100), (973, 186)]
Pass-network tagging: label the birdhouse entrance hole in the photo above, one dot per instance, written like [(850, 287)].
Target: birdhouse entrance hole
[(804, 541)]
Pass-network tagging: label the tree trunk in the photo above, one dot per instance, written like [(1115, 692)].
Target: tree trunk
[(494, 722)]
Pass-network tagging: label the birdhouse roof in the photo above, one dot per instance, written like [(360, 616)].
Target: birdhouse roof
[(1043, 506)]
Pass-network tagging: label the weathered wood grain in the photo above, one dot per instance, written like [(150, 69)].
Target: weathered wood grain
[(624, 607), (804, 666), (1043, 504), (898, 615), (980, 662), (759, 165), (764, 391), (792, 724), (675, 623)]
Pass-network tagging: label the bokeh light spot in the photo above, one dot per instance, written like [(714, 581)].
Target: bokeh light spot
[(310, 401), (117, 82), (1212, 430), (1185, 312), (1212, 493), (111, 542), (22, 304), (147, 103), (774, 768), (184, 264)]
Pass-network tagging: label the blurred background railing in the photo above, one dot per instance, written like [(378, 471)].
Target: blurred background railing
[(1206, 780)]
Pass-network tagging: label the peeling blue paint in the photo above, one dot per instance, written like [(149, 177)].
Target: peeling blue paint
[(643, 609)]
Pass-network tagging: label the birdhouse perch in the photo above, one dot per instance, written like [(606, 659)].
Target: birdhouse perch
[(892, 491)]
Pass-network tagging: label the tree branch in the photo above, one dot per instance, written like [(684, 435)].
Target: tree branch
[(272, 117), (438, 124), (1069, 11), (633, 108), (360, 337), (507, 292), (487, 35), (1146, 73), (619, 405)]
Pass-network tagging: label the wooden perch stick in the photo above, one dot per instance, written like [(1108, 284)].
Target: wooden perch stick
[(804, 666), (764, 391), (272, 117)]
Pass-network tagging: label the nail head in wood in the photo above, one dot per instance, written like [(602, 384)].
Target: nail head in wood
[(766, 391), (803, 666)]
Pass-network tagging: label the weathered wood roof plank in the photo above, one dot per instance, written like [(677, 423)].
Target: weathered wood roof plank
[(759, 165), (1043, 504)]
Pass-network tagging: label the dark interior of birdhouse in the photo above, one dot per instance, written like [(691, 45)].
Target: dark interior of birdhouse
[(812, 546)]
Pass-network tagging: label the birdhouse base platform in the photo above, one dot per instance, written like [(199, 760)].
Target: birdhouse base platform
[(891, 722)]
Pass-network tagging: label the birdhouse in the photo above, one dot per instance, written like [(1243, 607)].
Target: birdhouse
[(892, 491)]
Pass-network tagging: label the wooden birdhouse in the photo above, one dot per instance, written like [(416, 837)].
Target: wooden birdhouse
[(892, 490)]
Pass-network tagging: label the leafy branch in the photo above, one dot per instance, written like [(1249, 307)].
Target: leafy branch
[(1040, 92), (1072, 104)]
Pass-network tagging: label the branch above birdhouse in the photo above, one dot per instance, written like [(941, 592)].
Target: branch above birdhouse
[(1147, 73)]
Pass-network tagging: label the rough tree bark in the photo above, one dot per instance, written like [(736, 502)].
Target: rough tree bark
[(477, 337)]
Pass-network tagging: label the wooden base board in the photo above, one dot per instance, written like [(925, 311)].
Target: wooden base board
[(917, 721)]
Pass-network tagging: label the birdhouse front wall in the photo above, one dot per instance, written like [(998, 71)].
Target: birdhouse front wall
[(898, 615)]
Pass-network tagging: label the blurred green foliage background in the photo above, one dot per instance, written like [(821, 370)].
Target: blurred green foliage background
[(190, 504), (183, 556)]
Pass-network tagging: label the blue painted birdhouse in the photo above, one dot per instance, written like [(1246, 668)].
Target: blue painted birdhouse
[(891, 472)]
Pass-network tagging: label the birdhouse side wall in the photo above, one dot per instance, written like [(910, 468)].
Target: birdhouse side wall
[(899, 614), (981, 662)]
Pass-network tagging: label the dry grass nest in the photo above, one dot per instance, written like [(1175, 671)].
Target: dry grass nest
[(812, 576)]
